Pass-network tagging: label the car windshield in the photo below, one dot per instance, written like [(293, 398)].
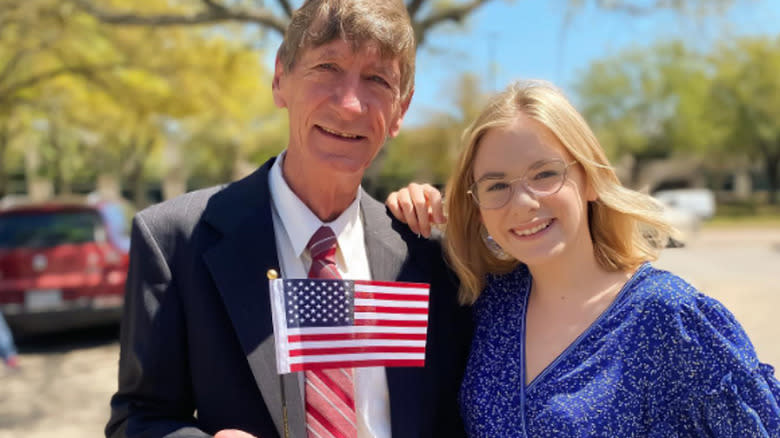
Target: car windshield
[(47, 229)]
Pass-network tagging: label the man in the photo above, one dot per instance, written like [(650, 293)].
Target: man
[(197, 353)]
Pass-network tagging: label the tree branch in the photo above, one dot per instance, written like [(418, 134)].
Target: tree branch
[(6, 92), (414, 7), (213, 5), (454, 13), (286, 6), (12, 63), (214, 13), (634, 9)]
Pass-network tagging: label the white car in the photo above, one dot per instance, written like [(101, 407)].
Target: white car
[(700, 202)]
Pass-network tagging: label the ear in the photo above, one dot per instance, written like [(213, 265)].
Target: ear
[(590, 191), (395, 125), (277, 88)]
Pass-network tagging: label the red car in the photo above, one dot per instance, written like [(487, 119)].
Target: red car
[(63, 264)]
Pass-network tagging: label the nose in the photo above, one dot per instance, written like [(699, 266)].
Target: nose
[(347, 98), (522, 196)]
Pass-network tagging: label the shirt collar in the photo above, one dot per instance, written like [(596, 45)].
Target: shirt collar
[(300, 223)]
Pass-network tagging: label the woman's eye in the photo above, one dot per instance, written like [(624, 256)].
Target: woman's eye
[(546, 174), (497, 186), (327, 66)]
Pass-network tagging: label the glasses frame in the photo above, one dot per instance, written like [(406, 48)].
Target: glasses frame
[(522, 179)]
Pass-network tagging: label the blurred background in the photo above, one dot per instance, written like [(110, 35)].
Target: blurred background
[(107, 106)]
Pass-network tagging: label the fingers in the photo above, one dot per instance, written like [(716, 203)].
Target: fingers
[(394, 204), (419, 206), (436, 206), (401, 205), (410, 207), (419, 194)]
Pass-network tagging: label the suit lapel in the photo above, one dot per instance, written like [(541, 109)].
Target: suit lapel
[(387, 254), (238, 264)]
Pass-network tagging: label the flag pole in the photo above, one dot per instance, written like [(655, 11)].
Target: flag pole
[(286, 424), (272, 274)]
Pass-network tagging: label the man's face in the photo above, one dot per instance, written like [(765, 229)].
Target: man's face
[(342, 105)]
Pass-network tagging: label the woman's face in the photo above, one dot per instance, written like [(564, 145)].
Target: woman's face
[(535, 229)]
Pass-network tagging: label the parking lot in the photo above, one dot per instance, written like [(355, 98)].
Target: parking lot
[(66, 381)]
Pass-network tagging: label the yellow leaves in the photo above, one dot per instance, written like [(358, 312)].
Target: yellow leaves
[(119, 89)]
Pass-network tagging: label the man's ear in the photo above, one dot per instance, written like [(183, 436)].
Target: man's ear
[(277, 88), (395, 126)]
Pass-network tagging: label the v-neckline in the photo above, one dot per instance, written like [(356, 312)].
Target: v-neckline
[(576, 342)]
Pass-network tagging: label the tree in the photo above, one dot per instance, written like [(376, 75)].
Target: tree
[(115, 121), (426, 15), (650, 103), (428, 152), (746, 93)]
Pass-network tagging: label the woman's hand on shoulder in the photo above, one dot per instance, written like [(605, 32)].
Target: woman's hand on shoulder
[(418, 206)]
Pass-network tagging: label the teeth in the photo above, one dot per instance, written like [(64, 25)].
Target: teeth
[(533, 230), (340, 134)]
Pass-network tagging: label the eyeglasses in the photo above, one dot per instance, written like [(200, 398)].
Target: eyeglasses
[(540, 180)]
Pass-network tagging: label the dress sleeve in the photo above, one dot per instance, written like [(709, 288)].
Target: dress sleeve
[(731, 393)]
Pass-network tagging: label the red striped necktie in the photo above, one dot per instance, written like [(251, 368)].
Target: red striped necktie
[(330, 394)]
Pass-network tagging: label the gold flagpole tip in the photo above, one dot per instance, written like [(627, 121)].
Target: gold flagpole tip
[(272, 274)]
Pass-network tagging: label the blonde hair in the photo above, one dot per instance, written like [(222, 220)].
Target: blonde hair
[(385, 22), (627, 227)]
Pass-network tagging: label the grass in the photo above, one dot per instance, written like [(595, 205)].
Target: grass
[(747, 214)]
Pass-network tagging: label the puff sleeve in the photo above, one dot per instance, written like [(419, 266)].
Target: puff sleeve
[(731, 394)]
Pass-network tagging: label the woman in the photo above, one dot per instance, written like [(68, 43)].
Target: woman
[(576, 333)]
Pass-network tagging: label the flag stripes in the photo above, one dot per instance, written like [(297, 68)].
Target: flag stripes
[(320, 324)]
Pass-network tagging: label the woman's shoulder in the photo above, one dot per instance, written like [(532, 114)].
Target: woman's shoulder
[(502, 289), (694, 324), (658, 290), (705, 356), (515, 280)]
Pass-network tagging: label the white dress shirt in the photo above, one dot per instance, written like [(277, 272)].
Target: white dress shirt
[(294, 224)]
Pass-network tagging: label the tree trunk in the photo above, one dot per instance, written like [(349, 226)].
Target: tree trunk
[(175, 178), (4, 140), (60, 166), (772, 176), (38, 188), (136, 177), (138, 185)]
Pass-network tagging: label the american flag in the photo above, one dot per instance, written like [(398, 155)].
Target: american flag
[(348, 323)]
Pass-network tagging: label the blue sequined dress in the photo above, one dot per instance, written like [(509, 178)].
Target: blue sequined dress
[(663, 360)]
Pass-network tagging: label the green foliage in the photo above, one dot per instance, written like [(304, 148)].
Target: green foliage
[(92, 98), (746, 91), (670, 101), (650, 103), (427, 153)]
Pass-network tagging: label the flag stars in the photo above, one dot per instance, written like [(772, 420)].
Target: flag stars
[(319, 302)]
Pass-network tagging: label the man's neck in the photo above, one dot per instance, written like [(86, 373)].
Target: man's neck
[(326, 195)]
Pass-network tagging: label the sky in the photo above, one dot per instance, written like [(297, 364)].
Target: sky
[(527, 39)]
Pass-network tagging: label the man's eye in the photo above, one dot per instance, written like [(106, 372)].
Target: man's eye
[(380, 80), (327, 66)]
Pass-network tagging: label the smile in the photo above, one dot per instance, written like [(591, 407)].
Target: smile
[(339, 134), (533, 230)]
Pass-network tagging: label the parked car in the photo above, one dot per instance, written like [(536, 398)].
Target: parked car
[(686, 209), (63, 263), (700, 202)]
